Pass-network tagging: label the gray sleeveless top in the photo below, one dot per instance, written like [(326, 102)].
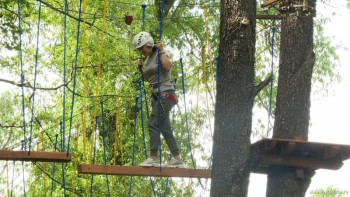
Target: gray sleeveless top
[(166, 83)]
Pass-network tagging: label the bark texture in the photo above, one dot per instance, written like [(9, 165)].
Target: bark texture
[(234, 102), (293, 99)]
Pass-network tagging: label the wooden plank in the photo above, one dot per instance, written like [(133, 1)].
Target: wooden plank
[(299, 162), (287, 148), (34, 156), (143, 171), (306, 146), (263, 146), (267, 3), (330, 152)]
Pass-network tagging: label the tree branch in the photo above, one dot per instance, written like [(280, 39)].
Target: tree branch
[(262, 85), (8, 139), (75, 18), (10, 126), (28, 85)]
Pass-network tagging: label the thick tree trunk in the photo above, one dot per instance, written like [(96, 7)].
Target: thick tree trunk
[(293, 99), (235, 92)]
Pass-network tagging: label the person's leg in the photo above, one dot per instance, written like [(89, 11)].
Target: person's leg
[(153, 129), (168, 134), (166, 127), (154, 138)]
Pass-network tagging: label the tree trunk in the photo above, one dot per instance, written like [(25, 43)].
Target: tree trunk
[(293, 98), (235, 93)]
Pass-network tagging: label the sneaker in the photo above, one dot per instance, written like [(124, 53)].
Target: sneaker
[(174, 163), (149, 162)]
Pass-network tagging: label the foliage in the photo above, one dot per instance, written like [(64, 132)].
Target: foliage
[(329, 192)]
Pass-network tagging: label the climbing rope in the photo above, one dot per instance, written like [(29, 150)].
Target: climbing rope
[(53, 168), (75, 173), (99, 69), (184, 95), (209, 50), (13, 176), (188, 133), (7, 178), (74, 83), (118, 135), (22, 75), (172, 128), (64, 71), (104, 145), (35, 74), (271, 84), (83, 114), (206, 90), (142, 123), (197, 110), (24, 182), (84, 92), (84, 82), (93, 160), (44, 164), (158, 83), (35, 173), (63, 173), (134, 143), (142, 76)]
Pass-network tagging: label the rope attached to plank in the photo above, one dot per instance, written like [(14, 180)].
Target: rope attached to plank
[(74, 82), (22, 75), (271, 84), (35, 74)]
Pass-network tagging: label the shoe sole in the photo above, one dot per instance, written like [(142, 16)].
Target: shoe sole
[(174, 166), (149, 166)]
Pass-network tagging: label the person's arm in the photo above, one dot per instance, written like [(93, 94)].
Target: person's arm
[(164, 59)]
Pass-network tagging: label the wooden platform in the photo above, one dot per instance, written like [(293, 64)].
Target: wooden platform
[(267, 153), (143, 171), (34, 156)]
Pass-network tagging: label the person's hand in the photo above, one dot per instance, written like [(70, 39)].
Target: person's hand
[(160, 47), (140, 63)]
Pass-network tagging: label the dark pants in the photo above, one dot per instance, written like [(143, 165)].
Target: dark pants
[(165, 126)]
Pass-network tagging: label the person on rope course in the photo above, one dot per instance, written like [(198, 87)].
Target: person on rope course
[(143, 43)]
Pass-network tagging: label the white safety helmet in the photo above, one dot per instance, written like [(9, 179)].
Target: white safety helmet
[(143, 38)]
